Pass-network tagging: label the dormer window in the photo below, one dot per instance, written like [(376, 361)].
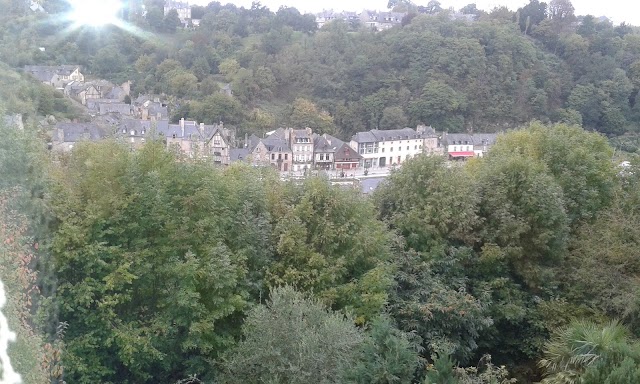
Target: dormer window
[(133, 133), (142, 132), (124, 130)]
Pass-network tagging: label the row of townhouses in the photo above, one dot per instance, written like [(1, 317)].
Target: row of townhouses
[(379, 21), (285, 149)]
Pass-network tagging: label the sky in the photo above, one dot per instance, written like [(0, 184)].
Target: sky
[(617, 10)]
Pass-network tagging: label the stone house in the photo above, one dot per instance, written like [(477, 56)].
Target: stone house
[(301, 144), (82, 92), (273, 151), (67, 135), (56, 76)]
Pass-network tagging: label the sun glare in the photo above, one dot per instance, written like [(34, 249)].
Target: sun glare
[(95, 13)]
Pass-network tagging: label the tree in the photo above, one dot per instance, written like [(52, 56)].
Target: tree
[(171, 21), (531, 15), (579, 161), (346, 262), (429, 204), (523, 212), (433, 7), (393, 118), (585, 352), (292, 339), (304, 113), (387, 356), (470, 9), (151, 277)]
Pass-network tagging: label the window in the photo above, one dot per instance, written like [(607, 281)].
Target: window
[(391, 150), (415, 147), (286, 156), (382, 150), (407, 147), (273, 156)]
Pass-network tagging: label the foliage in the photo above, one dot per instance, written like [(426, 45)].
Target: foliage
[(292, 339), (444, 371), (585, 352), (151, 271), (387, 356), (328, 242)]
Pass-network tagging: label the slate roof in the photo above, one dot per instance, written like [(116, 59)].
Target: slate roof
[(484, 138), (457, 138), (46, 72), (238, 154), (252, 141), (73, 132), (127, 125), (333, 140), (322, 145), (377, 135), (276, 144), (364, 137), (121, 108)]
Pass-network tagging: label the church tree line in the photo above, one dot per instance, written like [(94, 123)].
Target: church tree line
[(540, 62)]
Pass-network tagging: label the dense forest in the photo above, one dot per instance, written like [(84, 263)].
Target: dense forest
[(540, 62), (139, 267)]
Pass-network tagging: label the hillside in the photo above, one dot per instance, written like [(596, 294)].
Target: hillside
[(485, 75)]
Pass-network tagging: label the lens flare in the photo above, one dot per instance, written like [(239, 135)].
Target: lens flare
[(95, 13)]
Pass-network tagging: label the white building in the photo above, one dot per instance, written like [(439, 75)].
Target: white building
[(183, 9), (463, 145), (381, 148)]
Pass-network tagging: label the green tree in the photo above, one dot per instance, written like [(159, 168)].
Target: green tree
[(292, 339), (171, 21), (579, 161), (387, 356), (329, 242), (585, 352), (151, 276), (304, 113)]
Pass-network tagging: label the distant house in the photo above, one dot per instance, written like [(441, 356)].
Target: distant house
[(381, 21), (273, 151), (57, 75), (150, 108), (192, 139), (183, 9), (121, 108), (460, 146), (333, 153), (381, 148), (323, 154), (66, 135), (301, 143), (199, 140), (82, 92)]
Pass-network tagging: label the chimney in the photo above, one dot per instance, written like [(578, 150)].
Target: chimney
[(182, 127), (202, 129), (246, 140), (126, 86)]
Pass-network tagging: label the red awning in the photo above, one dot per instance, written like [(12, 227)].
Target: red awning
[(461, 154)]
